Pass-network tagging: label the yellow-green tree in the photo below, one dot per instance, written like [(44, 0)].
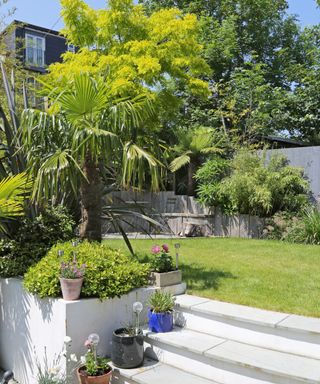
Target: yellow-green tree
[(142, 53)]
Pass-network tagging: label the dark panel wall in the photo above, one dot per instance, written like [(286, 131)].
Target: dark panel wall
[(55, 46)]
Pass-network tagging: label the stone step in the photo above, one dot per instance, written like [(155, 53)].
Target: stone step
[(259, 336), (154, 372), (228, 361), (192, 309)]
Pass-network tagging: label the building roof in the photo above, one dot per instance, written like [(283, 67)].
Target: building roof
[(283, 141), (34, 27)]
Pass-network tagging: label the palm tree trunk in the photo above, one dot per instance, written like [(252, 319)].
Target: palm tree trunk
[(191, 181), (91, 201)]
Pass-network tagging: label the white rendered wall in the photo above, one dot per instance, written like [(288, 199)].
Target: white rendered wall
[(28, 325), (307, 158)]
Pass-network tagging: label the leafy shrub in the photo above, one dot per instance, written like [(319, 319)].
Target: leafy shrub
[(209, 177), (257, 188), (279, 225), (161, 302), (162, 262), (307, 229), (33, 239), (109, 272), (296, 229)]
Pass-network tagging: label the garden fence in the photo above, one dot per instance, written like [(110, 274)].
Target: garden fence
[(179, 215)]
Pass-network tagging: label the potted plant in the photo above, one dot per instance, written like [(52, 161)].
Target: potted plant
[(163, 271), (95, 369), (71, 279), (127, 343), (160, 313)]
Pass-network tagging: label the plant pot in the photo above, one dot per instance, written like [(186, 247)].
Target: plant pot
[(127, 351), (71, 288), (165, 279), (160, 322), (84, 379)]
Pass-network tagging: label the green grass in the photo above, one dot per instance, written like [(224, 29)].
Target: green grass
[(266, 274)]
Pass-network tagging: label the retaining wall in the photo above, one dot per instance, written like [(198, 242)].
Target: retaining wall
[(29, 325)]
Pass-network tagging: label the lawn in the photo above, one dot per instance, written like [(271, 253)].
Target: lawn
[(266, 274)]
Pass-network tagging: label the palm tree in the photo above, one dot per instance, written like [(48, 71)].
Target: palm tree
[(13, 190), (192, 145), (92, 135)]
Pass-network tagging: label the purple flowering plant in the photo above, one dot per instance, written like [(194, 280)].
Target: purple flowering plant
[(72, 269), (161, 260)]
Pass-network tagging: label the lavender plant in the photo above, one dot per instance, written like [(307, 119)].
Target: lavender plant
[(72, 269)]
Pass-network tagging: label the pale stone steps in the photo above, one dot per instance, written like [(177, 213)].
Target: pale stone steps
[(154, 372), (303, 345), (205, 315), (227, 361)]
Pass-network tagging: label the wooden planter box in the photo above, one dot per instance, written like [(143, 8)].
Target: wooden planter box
[(166, 279)]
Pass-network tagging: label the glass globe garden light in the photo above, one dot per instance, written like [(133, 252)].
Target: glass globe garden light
[(137, 309), (94, 339)]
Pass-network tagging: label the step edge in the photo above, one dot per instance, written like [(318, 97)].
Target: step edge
[(215, 314), (198, 354)]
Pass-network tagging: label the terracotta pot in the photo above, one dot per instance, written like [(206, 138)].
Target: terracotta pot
[(84, 379), (71, 288)]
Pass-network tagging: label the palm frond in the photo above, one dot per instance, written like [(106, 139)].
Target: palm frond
[(180, 161)]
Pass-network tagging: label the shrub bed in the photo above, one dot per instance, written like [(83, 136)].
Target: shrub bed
[(32, 239), (109, 273)]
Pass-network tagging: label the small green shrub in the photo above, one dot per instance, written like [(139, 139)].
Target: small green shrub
[(279, 225), (304, 228), (161, 302), (209, 177), (162, 262), (307, 229), (33, 239), (109, 272)]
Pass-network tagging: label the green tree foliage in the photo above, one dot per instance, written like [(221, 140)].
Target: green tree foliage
[(142, 53), (209, 177), (13, 192), (90, 132), (299, 110), (32, 239), (259, 187), (264, 69), (192, 145)]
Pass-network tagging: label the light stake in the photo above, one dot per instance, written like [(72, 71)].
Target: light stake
[(177, 246), (137, 308)]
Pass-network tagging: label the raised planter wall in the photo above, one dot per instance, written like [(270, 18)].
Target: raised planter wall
[(29, 325)]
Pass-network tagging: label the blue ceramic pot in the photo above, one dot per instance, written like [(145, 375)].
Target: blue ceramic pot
[(160, 322)]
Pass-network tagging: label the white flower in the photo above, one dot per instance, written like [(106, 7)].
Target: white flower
[(67, 340), (83, 359), (53, 370), (73, 357)]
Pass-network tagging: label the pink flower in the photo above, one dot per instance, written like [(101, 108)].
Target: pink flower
[(165, 247), (155, 249), (87, 343)]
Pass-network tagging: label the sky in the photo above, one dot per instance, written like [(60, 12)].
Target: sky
[(45, 13)]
